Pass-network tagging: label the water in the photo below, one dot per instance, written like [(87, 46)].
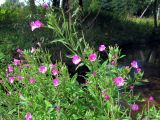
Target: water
[(148, 57)]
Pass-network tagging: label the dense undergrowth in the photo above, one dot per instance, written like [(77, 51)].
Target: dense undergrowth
[(36, 83)]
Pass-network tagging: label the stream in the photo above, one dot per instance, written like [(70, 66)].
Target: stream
[(148, 57)]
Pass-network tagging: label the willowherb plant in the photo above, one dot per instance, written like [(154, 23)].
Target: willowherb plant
[(35, 88)]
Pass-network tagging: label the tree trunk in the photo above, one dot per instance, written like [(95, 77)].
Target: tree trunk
[(81, 3), (32, 6), (155, 15), (67, 8), (61, 4), (54, 3)]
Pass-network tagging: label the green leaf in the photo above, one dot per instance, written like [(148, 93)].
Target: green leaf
[(12, 111), (59, 40), (22, 98), (122, 56), (48, 104), (81, 64)]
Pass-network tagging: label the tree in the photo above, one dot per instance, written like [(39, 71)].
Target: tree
[(55, 3), (32, 6), (155, 8), (13, 1)]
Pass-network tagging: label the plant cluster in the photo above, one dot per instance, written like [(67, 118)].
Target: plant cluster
[(32, 87)]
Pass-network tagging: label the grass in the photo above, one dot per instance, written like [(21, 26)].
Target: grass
[(132, 30), (98, 29)]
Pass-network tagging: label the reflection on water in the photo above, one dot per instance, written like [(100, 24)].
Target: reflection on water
[(148, 58)]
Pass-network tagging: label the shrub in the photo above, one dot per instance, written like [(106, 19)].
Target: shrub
[(34, 85)]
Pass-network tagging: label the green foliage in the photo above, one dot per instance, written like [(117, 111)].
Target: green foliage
[(120, 8), (67, 100), (11, 13), (66, 32)]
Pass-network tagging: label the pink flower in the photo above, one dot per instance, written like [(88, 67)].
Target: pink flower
[(119, 81), (52, 66), (102, 48), (33, 50), (28, 116), (134, 107), (16, 62), (131, 87), (19, 50), (36, 24), (113, 63), (55, 72), (107, 97), (103, 92), (1, 81), (8, 93), (27, 65), (10, 68), (76, 59), (20, 77), (58, 108), (56, 82), (92, 57), (151, 98), (11, 79), (94, 73), (134, 64), (42, 69), (45, 6), (138, 70), (32, 80), (114, 57)]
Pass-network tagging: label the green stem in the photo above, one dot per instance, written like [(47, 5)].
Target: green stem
[(148, 111), (118, 98)]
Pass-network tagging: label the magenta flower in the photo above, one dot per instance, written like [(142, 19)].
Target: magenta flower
[(45, 6), (103, 92), (119, 81), (107, 97), (11, 79), (55, 72), (151, 98), (10, 68), (32, 80), (134, 64), (19, 50), (42, 69), (16, 62), (33, 50), (76, 59), (114, 57), (58, 108), (1, 81), (132, 87), (138, 70), (92, 57), (113, 63), (36, 24), (56, 82), (52, 66), (28, 116), (134, 107), (27, 65), (144, 119), (94, 73), (102, 48), (20, 77)]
